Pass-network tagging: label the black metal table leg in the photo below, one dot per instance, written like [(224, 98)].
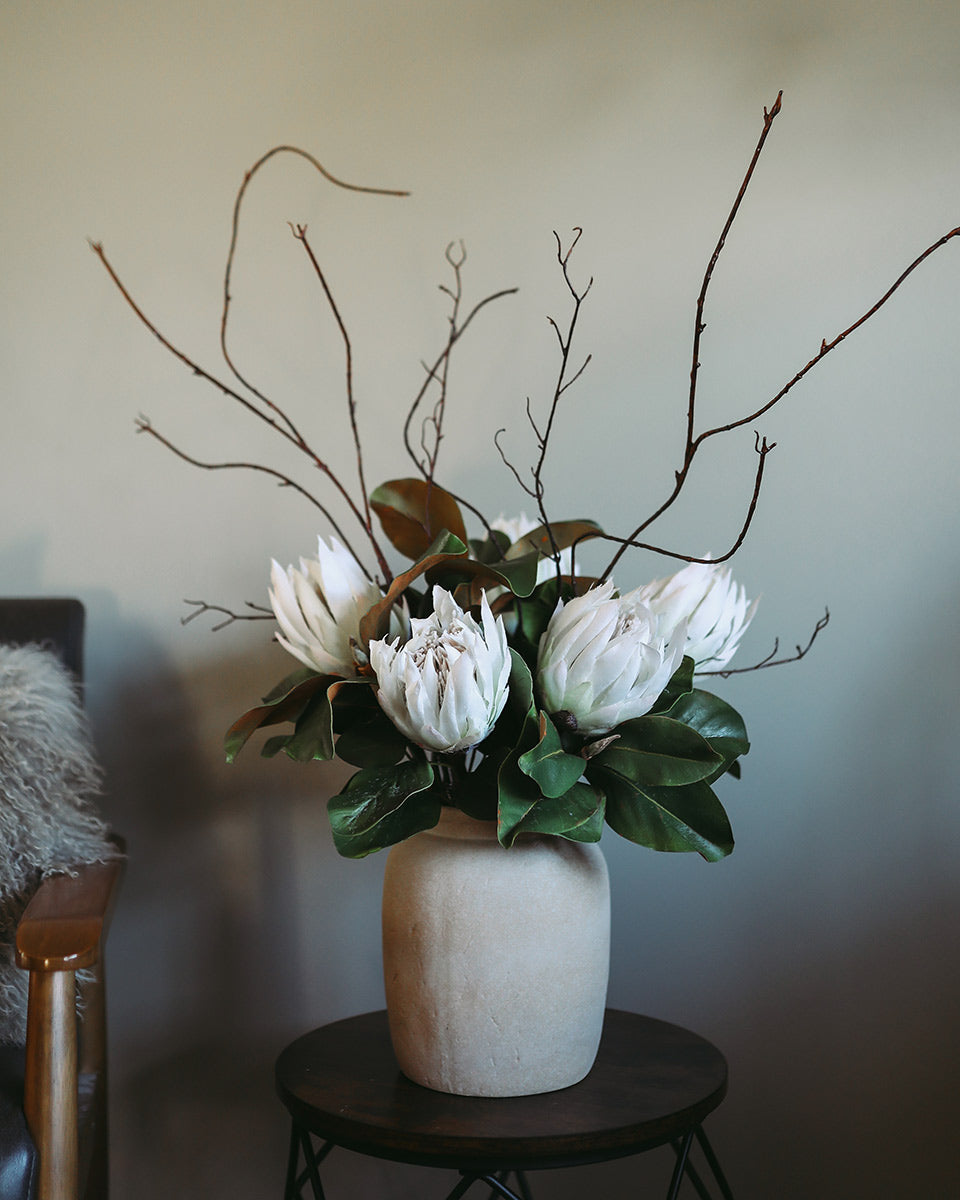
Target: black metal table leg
[(682, 1151), (300, 1139), (496, 1183), (710, 1156), (685, 1166)]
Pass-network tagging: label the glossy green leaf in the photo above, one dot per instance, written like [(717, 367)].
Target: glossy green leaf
[(372, 741), (382, 806), (536, 611), (313, 736), (519, 575), (352, 700), (681, 682), (548, 764), (577, 815), (517, 794), (272, 746), (659, 752), (414, 512), (715, 720), (477, 790), (285, 703), (289, 682), (674, 819), (518, 710), (490, 549), (565, 533)]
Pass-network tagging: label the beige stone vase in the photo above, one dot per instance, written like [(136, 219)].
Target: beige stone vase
[(495, 960)]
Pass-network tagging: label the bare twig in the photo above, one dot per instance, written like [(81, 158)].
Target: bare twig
[(144, 426), (300, 233), (437, 373), (234, 233), (285, 429), (563, 382), (771, 659), (690, 446), (698, 327), (433, 372), (436, 419), (762, 448), (257, 613), (826, 347), (695, 441), (510, 467)]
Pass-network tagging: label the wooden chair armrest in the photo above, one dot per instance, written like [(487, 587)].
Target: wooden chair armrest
[(65, 922), (62, 931)]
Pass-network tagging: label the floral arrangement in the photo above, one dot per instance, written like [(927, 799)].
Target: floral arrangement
[(552, 707), (489, 672)]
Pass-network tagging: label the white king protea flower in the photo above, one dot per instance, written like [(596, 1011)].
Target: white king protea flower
[(714, 607), (602, 659), (446, 686), (319, 607)]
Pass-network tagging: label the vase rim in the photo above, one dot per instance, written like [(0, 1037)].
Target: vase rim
[(455, 823)]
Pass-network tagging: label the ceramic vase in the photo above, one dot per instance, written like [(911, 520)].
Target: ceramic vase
[(495, 960)]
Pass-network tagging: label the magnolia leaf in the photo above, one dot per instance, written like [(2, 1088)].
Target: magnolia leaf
[(288, 683), (517, 795), (659, 752), (285, 703), (681, 682), (565, 533), (674, 819), (316, 725), (549, 765), (313, 736), (376, 620), (272, 746), (518, 575), (492, 548), (352, 700), (536, 612), (413, 512), (372, 741), (577, 815), (381, 806), (518, 711), (476, 793), (715, 720)]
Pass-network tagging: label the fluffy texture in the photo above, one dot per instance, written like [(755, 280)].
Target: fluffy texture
[(48, 779)]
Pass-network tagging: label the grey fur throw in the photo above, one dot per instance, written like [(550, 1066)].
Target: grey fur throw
[(48, 780)]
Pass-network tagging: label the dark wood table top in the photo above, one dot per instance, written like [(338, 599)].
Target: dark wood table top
[(652, 1082)]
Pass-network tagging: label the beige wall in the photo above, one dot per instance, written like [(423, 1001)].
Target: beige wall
[(820, 955)]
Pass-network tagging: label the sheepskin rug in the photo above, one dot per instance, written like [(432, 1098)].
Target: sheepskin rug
[(48, 820)]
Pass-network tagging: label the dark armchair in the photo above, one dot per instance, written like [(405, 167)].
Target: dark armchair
[(55, 1145)]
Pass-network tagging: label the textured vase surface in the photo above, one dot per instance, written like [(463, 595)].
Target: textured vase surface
[(495, 960)]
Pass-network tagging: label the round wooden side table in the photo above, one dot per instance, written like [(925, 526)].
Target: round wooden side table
[(653, 1084)]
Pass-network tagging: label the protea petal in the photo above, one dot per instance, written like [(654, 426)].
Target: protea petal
[(603, 660), (445, 687), (714, 607), (318, 608)]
